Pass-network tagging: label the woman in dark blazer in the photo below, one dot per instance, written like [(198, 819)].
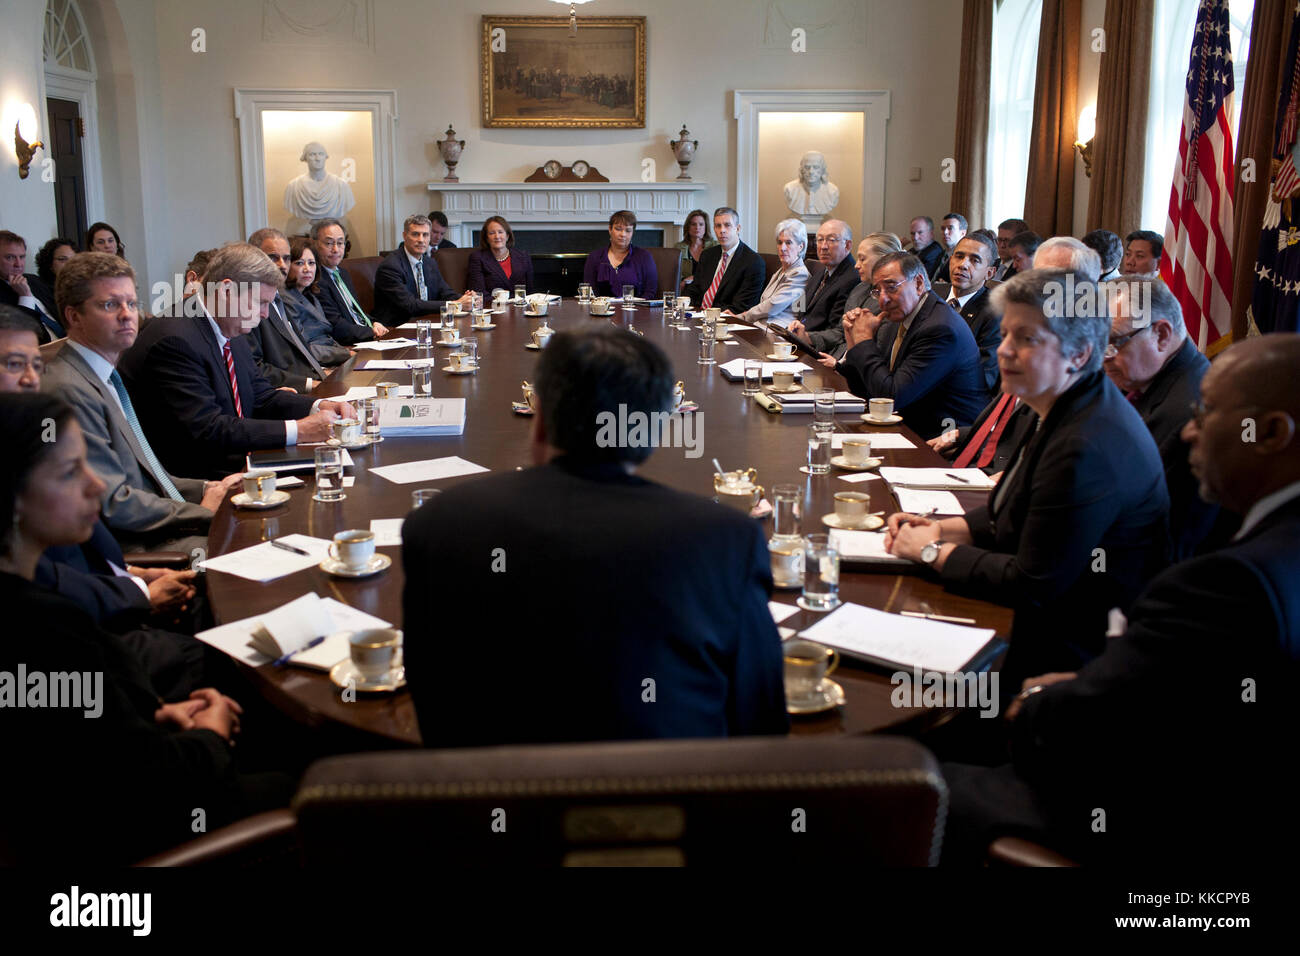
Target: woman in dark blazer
[(111, 773), (496, 263), (1076, 525), (303, 307)]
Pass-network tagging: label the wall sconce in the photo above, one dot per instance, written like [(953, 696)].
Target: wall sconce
[(24, 150), (1087, 134)]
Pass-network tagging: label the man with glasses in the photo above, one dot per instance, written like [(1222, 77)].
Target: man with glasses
[(349, 323), (1158, 367), (20, 355), (825, 304)]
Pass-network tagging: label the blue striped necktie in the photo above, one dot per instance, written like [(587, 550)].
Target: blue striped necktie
[(151, 460)]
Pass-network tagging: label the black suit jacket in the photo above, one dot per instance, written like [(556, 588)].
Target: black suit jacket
[(1018, 428), (181, 392), (81, 574), (662, 587), (1090, 478), (485, 273), (742, 283), (1177, 730), (446, 244), (932, 256), (397, 297), (279, 356), (51, 325), (825, 305), (1166, 406), (936, 383), (344, 329), (986, 326)]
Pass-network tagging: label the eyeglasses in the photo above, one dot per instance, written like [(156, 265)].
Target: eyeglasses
[(17, 364), (1118, 342), (828, 239), (116, 305), (890, 287), (1199, 411), (333, 243)]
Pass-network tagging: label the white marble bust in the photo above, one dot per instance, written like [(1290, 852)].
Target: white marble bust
[(316, 194), (812, 193)]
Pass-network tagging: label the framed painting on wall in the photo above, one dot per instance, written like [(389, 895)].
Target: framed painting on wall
[(535, 74)]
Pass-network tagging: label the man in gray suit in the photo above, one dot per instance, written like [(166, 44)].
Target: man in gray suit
[(144, 506)]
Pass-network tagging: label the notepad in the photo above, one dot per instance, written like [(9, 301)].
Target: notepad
[(382, 365), (265, 562), (879, 440), (369, 391), (938, 479), (735, 369), (919, 501), (894, 641), (235, 638), (864, 547)]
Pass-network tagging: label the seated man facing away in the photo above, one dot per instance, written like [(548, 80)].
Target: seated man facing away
[(619, 608), (200, 398), (1175, 732)]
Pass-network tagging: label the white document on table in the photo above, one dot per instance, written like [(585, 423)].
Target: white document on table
[(380, 365), (781, 611), (859, 476), (864, 546), (265, 562), (369, 391), (894, 640), (878, 439), (800, 398), (383, 345), (233, 638), (938, 479), (737, 367), (918, 501), (429, 470), (388, 531)]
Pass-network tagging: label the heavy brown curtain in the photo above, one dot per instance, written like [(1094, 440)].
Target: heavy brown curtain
[(1123, 88), (971, 152), (1049, 191), (1258, 104)]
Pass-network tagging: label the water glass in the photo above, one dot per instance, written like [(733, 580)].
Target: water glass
[(819, 449), (422, 496), (629, 293), (422, 381), (424, 334), (476, 301), (753, 377), (470, 351), (821, 573), (824, 406), (329, 474), (368, 412), (670, 303), (584, 292), (445, 311), (707, 346), (785, 512), (520, 293)]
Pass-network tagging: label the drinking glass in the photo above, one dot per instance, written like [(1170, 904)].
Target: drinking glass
[(470, 351), (476, 303), (824, 406), (422, 381), (707, 346), (670, 304), (368, 412), (445, 311), (821, 573), (819, 449), (753, 377), (424, 335), (329, 474), (449, 322), (422, 496), (520, 292), (629, 293), (682, 314), (785, 512), (584, 292)]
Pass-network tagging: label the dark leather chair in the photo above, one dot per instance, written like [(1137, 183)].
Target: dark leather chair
[(668, 263), (454, 266), (772, 261), (775, 801), (1019, 852), (362, 273), (266, 840), (51, 349)]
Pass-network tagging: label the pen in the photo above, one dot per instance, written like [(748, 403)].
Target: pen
[(287, 547), (281, 661), (938, 617), (964, 481)]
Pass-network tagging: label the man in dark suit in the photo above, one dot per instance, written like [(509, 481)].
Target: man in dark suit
[(739, 270), (969, 268), (917, 351), (24, 290), (282, 356), (349, 323), (1158, 367), (1168, 747), (1007, 230), (824, 307), (438, 227), (924, 246), (656, 626), (952, 230), (194, 385), (408, 283)]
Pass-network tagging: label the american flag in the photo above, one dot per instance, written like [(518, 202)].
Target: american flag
[(1197, 260)]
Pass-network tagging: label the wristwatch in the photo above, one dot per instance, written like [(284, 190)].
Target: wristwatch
[(930, 552)]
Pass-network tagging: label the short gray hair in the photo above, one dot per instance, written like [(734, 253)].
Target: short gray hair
[(1153, 295), (1083, 260), (417, 220), (241, 262), (727, 211), (1075, 328), (265, 233), (883, 243), (909, 265), (797, 230)]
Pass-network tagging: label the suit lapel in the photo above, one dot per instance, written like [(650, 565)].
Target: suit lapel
[(116, 419), (205, 330)]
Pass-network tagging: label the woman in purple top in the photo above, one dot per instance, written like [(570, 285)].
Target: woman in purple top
[(608, 270)]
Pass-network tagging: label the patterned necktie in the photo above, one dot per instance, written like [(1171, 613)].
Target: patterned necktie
[(713, 286), (358, 314), (418, 269), (160, 474), (898, 342), (234, 382)]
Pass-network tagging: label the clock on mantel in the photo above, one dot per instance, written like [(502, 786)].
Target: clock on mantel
[(553, 172)]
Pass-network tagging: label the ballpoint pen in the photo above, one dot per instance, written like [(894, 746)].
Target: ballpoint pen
[(964, 481), (281, 661), (288, 547)]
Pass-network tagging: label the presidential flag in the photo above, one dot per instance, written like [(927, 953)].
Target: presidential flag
[(1275, 306), (1197, 260)]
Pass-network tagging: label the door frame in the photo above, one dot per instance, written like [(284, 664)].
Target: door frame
[(64, 84)]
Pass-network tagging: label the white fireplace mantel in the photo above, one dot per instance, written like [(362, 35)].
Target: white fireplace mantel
[(563, 205)]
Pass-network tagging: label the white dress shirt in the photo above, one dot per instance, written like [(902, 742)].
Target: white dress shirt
[(1265, 506)]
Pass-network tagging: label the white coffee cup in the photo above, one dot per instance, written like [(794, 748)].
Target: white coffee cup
[(453, 306), (259, 484), (881, 408), (353, 549), (345, 430), (851, 506), (857, 449), (450, 334), (784, 350), (372, 652), (679, 395), (500, 297), (807, 664), (713, 315), (782, 380), (542, 336), (538, 304), (481, 319), (386, 389), (600, 305)]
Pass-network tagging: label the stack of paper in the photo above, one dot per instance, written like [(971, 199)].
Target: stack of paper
[(386, 344), (326, 616), (265, 562), (901, 642), (878, 440), (797, 402), (421, 416), (734, 371), (919, 501), (864, 547), (938, 479), (369, 391)]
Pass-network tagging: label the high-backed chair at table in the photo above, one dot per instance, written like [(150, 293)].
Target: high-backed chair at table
[(454, 266), (776, 801), (668, 263), (51, 349), (266, 841), (362, 273), (773, 263)]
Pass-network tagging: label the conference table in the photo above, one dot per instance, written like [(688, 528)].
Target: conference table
[(733, 428)]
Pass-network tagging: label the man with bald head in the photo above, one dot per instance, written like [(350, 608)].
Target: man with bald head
[(1068, 253), (1167, 747), (824, 305)]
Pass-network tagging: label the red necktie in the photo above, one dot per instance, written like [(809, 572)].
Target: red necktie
[(982, 441), (234, 383), (713, 286)]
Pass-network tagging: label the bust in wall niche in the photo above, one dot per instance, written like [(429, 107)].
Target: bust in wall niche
[(316, 194), (812, 193)]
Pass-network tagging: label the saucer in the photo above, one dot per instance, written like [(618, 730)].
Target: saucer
[(783, 358), (839, 461), (482, 328), (522, 408), (537, 315), (891, 420), (828, 696), (460, 371), (685, 408), (603, 314), (380, 562), (273, 500), (796, 387), (357, 445), (451, 344), (345, 674), (868, 523), (804, 469)]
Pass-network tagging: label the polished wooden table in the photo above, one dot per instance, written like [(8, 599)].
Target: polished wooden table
[(734, 429)]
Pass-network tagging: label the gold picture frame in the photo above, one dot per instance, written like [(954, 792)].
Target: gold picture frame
[(535, 75)]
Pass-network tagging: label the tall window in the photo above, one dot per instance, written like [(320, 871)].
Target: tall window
[(1170, 55), (1011, 106)]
